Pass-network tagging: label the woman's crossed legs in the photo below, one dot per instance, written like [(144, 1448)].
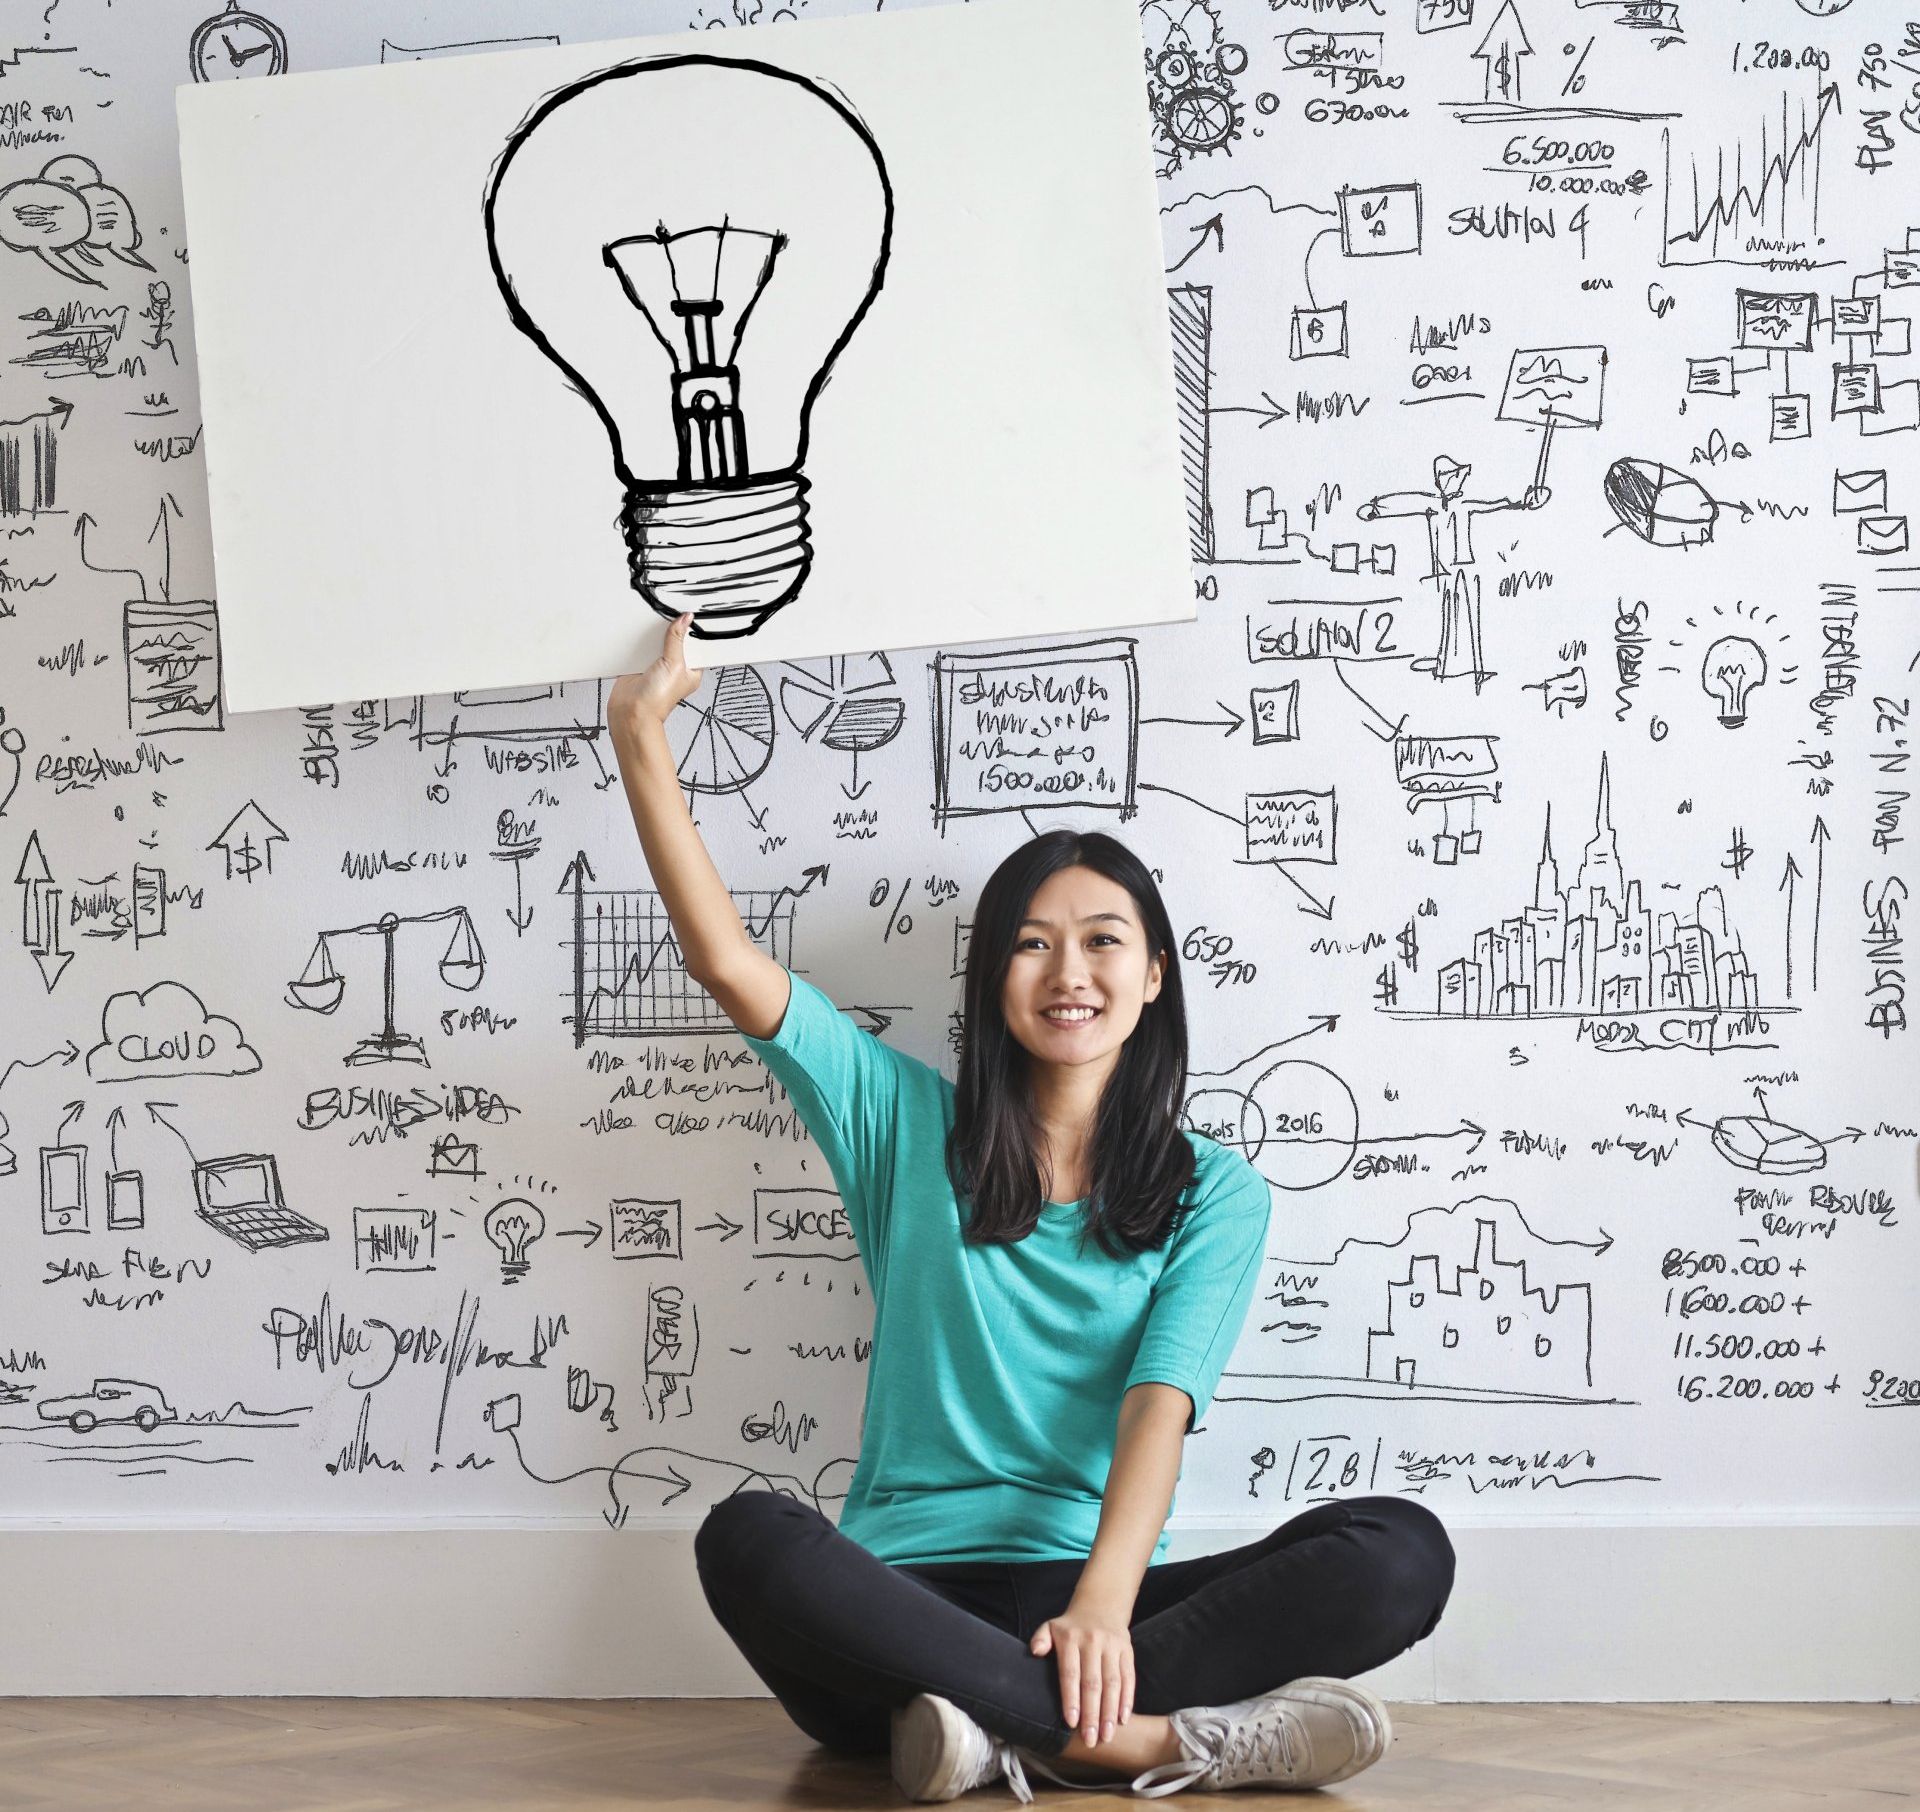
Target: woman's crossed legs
[(842, 1638)]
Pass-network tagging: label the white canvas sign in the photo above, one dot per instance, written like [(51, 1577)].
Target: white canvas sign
[(845, 335)]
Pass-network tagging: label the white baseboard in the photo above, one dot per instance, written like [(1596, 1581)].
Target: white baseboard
[(1568, 1611)]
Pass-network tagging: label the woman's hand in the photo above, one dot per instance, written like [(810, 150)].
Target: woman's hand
[(648, 696), (1094, 1650)]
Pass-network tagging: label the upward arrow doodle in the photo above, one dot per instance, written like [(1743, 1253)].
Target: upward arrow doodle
[(1820, 838), (247, 840), (1217, 226), (1787, 880), (164, 530), (1501, 50), (160, 1119)]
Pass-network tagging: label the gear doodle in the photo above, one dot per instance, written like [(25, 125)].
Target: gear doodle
[(1198, 119), (1190, 73), (1174, 68)]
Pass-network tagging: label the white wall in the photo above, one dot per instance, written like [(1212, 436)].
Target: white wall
[(1617, 1611)]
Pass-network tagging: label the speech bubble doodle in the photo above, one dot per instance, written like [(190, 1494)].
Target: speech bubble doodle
[(68, 212)]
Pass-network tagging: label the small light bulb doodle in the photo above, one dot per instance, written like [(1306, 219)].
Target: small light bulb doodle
[(1730, 671), (513, 1225)]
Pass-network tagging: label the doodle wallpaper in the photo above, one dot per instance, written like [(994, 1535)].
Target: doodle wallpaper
[(1531, 795)]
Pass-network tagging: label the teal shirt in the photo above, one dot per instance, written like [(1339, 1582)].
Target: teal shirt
[(996, 1373)]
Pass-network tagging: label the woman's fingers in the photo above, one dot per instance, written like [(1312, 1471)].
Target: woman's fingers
[(1096, 1685), (681, 628)]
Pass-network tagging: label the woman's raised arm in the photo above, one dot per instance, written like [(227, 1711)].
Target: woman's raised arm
[(749, 985)]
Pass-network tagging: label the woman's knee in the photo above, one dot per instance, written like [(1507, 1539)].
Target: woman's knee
[(1417, 1557), (738, 1532)]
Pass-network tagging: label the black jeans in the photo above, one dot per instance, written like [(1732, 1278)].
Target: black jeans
[(842, 1637)]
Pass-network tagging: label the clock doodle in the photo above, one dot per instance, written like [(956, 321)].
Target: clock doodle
[(237, 43)]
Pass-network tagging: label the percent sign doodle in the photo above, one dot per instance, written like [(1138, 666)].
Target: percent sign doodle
[(1576, 81), (898, 918), (940, 891)]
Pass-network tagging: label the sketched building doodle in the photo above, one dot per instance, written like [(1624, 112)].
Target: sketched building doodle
[(1595, 947), (1483, 1321)]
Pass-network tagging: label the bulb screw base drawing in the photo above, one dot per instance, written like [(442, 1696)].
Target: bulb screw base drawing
[(732, 555)]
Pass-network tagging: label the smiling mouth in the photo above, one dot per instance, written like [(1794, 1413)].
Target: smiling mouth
[(1077, 1018)]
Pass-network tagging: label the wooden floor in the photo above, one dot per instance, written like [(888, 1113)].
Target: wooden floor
[(562, 1755)]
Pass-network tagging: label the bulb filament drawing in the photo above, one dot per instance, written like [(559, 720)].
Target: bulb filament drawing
[(706, 388)]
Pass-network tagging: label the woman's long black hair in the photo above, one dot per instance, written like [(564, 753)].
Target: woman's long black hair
[(1141, 1160)]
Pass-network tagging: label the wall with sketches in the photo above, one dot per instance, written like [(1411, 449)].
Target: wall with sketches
[(1531, 794)]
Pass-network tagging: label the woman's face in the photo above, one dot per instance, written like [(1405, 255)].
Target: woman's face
[(1082, 946)]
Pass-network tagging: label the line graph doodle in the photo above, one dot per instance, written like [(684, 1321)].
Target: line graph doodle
[(629, 977), (1759, 203)]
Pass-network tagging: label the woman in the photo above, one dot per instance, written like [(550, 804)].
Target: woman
[(995, 1591)]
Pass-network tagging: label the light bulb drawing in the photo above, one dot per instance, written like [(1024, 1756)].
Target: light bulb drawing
[(693, 240), (512, 1226), (1734, 665), (1730, 671), (321, 985)]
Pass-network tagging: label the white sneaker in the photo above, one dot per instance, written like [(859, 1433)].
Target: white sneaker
[(1309, 1733), (940, 1753)]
